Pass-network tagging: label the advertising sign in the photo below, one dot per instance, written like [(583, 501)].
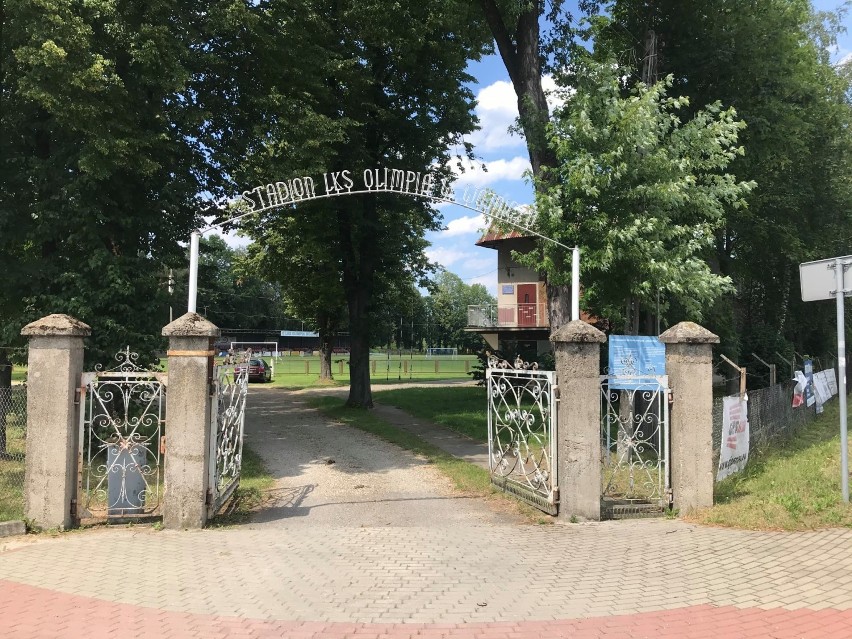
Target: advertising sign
[(632, 358), (735, 436)]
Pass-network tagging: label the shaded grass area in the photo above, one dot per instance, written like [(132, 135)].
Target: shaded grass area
[(11, 488), (466, 477), (462, 409), (792, 484), (250, 496), (12, 468)]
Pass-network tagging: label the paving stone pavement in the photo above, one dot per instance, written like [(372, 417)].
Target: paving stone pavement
[(472, 578)]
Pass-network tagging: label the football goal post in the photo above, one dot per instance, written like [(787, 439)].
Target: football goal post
[(452, 353), (261, 349), (268, 349)]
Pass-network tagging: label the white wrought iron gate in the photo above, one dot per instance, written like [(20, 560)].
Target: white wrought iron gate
[(522, 432), (634, 446), (122, 441), (227, 419)]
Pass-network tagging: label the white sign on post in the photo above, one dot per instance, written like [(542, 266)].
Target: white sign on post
[(817, 279), (824, 280)]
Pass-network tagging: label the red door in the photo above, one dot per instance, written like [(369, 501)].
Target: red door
[(526, 304)]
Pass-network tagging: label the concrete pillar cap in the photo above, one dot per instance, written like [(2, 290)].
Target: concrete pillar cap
[(578, 331), (191, 325), (688, 333), (57, 324)]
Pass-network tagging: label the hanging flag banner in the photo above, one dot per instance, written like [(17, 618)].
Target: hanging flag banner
[(735, 436)]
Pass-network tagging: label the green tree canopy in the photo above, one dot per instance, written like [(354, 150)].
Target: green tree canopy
[(768, 59), (640, 191), (448, 305), (101, 163)]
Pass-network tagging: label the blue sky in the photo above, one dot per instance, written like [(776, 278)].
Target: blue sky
[(506, 158)]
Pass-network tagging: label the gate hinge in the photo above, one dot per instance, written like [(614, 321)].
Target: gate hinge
[(77, 393), (208, 498), (73, 509), (556, 393), (163, 445)]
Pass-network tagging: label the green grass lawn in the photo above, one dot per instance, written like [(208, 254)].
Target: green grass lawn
[(462, 409), (302, 372), (792, 485), (252, 493), (12, 470)]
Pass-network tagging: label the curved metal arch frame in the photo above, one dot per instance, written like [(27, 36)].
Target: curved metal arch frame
[(196, 235)]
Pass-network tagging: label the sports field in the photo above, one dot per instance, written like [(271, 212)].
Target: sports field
[(304, 370)]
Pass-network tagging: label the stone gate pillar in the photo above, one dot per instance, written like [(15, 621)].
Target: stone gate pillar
[(188, 420), (55, 364), (578, 350), (689, 365)]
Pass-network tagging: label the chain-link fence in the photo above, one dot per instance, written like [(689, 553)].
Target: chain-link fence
[(13, 437), (770, 416)]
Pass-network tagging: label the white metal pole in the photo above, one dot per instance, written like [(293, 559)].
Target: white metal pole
[(841, 375), (171, 290), (575, 284), (193, 270)]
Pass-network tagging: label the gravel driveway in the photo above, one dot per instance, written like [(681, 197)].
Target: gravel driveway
[(330, 474)]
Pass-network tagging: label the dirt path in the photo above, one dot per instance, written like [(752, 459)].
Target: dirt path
[(332, 474)]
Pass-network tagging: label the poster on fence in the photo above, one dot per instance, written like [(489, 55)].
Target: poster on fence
[(810, 395), (831, 376), (823, 393), (735, 436)]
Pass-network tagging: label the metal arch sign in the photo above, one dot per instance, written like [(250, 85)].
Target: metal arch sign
[(429, 185), (425, 184)]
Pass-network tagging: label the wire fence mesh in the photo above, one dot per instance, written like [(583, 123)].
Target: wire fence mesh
[(770, 416), (13, 437)]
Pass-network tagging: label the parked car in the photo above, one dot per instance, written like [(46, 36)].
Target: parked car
[(258, 370)]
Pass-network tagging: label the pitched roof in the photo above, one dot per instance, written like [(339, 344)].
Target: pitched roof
[(493, 235)]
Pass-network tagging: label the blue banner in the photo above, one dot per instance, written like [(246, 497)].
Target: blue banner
[(633, 357)]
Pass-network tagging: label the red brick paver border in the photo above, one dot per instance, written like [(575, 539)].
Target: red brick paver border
[(39, 613)]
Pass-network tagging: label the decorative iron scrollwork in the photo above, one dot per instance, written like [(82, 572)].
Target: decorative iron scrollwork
[(121, 434), (497, 363), (522, 433), (634, 441)]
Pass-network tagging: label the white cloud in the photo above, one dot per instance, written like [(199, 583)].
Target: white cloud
[(495, 171), (846, 59), (445, 256), (482, 264), (497, 108), (233, 240), (488, 281), (465, 225)]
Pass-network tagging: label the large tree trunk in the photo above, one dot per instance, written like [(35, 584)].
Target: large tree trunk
[(521, 57), (358, 256), (325, 338), (360, 392)]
